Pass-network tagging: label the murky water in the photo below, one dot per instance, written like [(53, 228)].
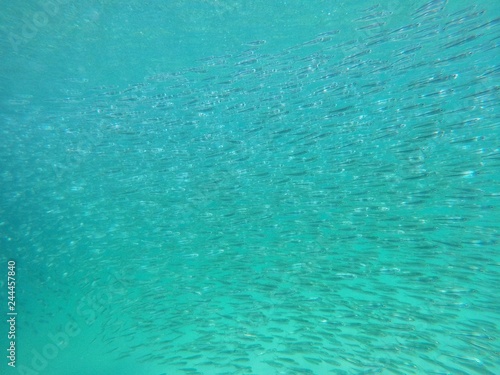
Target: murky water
[(319, 196)]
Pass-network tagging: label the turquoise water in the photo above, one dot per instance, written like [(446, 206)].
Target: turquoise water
[(229, 187)]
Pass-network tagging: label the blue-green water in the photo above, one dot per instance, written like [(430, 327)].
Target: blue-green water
[(230, 187)]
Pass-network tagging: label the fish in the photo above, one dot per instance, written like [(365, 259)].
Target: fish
[(326, 206)]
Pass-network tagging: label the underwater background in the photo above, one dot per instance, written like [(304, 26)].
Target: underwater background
[(251, 187)]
